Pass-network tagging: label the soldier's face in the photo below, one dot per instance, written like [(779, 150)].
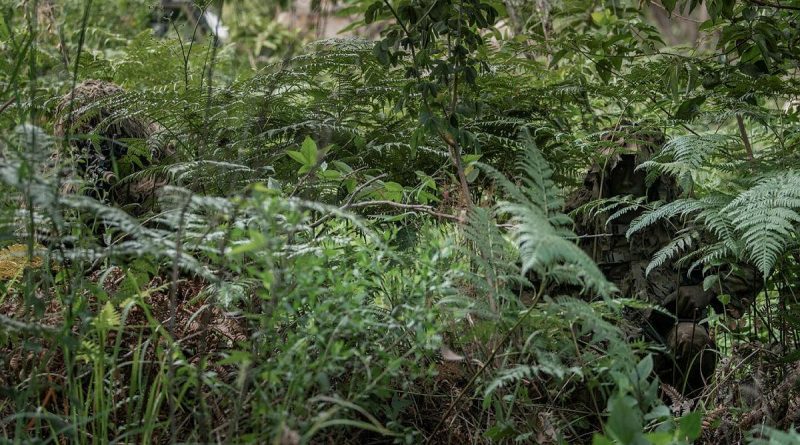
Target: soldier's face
[(625, 180)]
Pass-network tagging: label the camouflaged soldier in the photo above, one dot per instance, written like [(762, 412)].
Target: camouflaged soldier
[(624, 261), (102, 138)]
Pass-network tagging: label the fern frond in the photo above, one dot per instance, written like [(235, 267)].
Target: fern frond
[(677, 208), (765, 216), (683, 157), (541, 231), (682, 242)]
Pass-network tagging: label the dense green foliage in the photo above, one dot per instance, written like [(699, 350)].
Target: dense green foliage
[(358, 241)]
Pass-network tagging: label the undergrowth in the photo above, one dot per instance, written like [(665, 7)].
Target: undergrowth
[(366, 242)]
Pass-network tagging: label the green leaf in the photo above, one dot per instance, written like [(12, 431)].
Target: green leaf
[(792, 357), (381, 53), (762, 48), (107, 318), (297, 156), (3, 29), (710, 282), (603, 67), (689, 108), (660, 438), (393, 191), (691, 425), (499, 432), (330, 174), (342, 167), (706, 25), (727, 8), (309, 150), (236, 357), (471, 173), (659, 412), (624, 422), (645, 367), (557, 57), (672, 80), (372, 12), (599, 439), (469, 159)]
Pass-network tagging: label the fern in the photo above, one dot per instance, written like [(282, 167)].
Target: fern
[(541, 231), (664, 212), (494, 258), (513, 375), (680, 243), (683, 157), (757, 223), (765, 216)]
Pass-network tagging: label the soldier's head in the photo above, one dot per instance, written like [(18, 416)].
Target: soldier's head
[(624, 179), (629, 145)]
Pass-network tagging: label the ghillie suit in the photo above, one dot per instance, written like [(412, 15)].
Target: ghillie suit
[(624, 261), (107, 145)]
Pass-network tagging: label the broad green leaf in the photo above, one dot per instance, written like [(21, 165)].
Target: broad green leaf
[(500, 432), (599, 439), (691, 425), (342, 167), (660, 438), (298, 156), (645, 367), (470, 158), (471, 173), (603, 67), (393, 191), (330, 174), (309, 150), (624, 422)]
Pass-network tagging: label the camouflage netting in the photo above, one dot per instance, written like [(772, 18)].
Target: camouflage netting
[(108, 143), (624, 261)]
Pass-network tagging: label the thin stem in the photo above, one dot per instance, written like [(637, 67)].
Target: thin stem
[(745, 138), (173, 312), (7, 104), (408, 35), (455, 147)]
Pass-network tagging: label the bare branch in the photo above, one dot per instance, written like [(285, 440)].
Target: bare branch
[(6, 105), (412, 207)]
